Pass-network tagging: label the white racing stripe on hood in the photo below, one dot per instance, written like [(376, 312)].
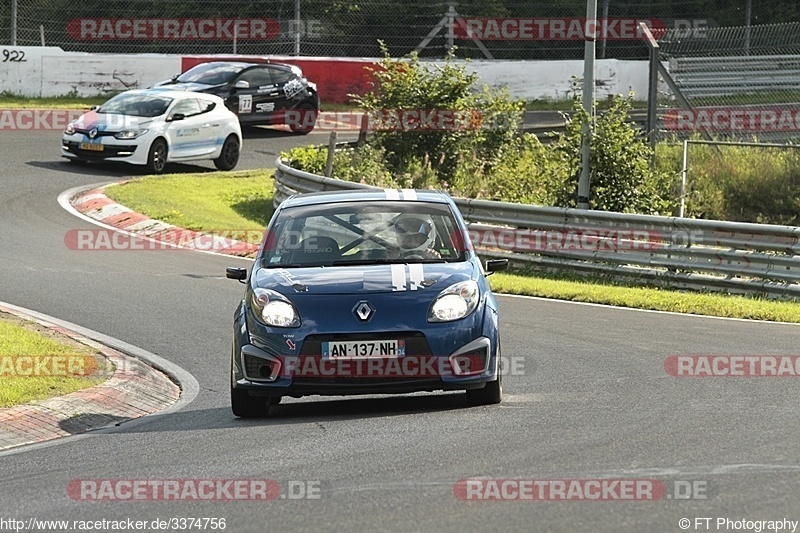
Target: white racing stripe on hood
[(409, 194), (415, 276), (398, 277), (392, 194)]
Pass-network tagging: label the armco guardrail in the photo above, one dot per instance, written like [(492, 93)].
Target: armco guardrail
[(672, 251)]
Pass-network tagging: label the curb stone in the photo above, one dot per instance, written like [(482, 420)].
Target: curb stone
[(134, 390), (96, 205)]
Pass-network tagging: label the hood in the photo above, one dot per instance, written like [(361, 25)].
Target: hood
[(431, 277), (110, 122)]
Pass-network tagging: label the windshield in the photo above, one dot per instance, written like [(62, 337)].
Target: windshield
[(136, 105), (210, 73), (353, 233)]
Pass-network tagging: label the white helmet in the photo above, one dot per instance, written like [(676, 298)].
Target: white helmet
[(413, 233)]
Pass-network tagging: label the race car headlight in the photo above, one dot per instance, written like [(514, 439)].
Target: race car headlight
[(70, 129), (455, 302), (129, 134), (273, 309)]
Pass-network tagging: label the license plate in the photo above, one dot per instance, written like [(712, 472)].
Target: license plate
[(363, 349), (92, 147)]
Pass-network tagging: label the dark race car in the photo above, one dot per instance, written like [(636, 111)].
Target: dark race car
[(259, 93), (365, 292)]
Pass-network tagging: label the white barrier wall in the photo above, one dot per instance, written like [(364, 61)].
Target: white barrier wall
[(49, 71), (551, 80)]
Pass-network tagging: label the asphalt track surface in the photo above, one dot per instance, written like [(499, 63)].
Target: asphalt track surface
[(592, 399)]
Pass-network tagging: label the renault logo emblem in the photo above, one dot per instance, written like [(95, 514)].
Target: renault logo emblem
[(363, 311), (93, 133)]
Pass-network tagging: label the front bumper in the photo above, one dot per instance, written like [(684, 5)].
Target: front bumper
[(265, 374)]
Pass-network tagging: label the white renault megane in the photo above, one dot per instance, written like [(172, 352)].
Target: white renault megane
[(153, 127)]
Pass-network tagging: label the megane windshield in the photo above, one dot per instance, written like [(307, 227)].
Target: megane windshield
[(210, 74), (136, 105), (351, 233)]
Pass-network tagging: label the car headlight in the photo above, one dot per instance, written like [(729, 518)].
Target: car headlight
[(274, 309), (455, 302), (70, 129), (129, 134)]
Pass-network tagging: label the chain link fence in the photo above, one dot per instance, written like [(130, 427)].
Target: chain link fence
[(740, 83), (501, 29)]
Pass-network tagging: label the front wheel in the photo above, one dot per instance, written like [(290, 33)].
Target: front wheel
[(229, 156), (307, 121), (245, 406), (157, 157), (492, 392)]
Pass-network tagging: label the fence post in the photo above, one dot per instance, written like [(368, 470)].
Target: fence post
[(13, 22), (584, 187), (297, 27), (652, 87), (331, 152), (451, 22)]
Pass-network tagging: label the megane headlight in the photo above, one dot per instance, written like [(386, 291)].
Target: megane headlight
[(455, 302), (273, 309), (70, 129), (129, 134)]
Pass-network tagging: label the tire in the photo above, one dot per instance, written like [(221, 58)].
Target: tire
[(157, 157), (306, 126), (492, 393), (229, 156), (245, 406)]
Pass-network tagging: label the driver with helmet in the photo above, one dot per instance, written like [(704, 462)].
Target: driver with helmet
[(414, 236)]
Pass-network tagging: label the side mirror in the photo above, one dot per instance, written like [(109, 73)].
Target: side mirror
[(177, 116), (94, 108), (176, 76), (242, 84), (239, 274), (496, 265)]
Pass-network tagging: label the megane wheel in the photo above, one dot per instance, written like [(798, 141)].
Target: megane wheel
[(157, 157), (229, 157)]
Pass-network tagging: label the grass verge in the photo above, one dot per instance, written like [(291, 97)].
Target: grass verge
[(722, 305), (243, 200), (202, 202), (23, 344)]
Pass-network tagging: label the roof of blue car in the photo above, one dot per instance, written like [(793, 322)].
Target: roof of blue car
[(367, 195)]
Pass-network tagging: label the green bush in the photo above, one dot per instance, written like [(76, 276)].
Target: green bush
[(738, 183), (488, 120)]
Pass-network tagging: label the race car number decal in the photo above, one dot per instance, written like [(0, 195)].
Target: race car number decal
[(245, 103), (293, 87)]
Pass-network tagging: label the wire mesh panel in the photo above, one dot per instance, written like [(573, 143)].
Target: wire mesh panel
[(739, 82), (503, 29)]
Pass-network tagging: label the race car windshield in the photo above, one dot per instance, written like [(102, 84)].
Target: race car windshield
[(209, 74), (352, 233), (136, 105)]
